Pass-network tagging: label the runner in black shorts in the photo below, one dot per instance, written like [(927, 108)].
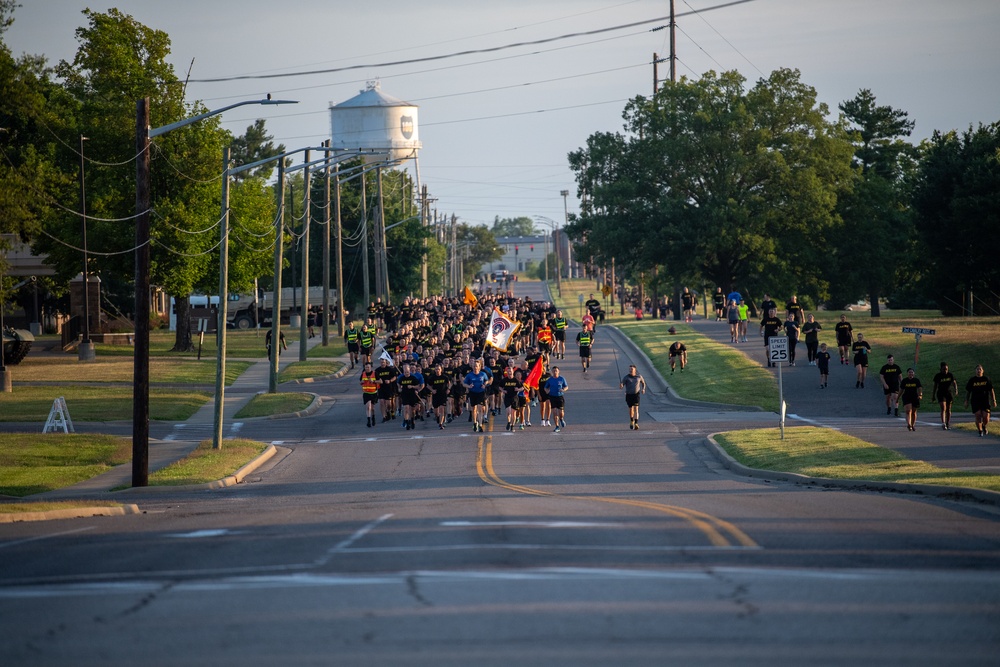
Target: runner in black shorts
[(979, 392), (945, 390)]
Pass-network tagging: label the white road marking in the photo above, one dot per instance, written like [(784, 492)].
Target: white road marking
[(542, 524), (197, 534)]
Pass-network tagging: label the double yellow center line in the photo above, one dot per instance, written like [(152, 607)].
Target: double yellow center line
[(719, 533)]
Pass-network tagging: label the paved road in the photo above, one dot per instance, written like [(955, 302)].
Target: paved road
[(596, 545)]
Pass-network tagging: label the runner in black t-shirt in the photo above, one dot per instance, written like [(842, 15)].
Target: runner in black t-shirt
[(861, 350), (891, 374), (911, 391), (770, 326), (979, 393), (945, 390)]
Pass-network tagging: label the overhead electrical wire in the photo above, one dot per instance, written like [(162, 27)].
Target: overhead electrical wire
[(456, 54)]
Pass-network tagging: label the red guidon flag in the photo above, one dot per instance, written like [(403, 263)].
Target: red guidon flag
[(501, 331), (535, 375)]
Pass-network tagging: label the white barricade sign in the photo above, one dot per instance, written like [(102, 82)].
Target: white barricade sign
[(59, 418)]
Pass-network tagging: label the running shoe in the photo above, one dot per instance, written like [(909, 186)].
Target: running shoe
[(555, 430)]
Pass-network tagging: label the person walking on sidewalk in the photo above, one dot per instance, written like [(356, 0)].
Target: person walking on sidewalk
[(634, 386), (744, 320), (823, 362), (769, 326), (861, 350), (845, 337), (369, 393), (911, 391), (281, 342), (945, 391), (733, 318), (792, 332), (979, 393), (556, 387), (891, 374), (811, 331)]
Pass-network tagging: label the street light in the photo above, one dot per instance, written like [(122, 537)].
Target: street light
[(569, 249), (555, 242), (140, 379)]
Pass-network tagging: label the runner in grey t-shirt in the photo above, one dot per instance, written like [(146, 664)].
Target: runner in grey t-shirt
[(634, 386)]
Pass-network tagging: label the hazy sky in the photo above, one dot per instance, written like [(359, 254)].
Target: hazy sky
[(496, 127)]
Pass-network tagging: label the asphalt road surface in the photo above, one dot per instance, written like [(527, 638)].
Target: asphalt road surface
[(593, 546)]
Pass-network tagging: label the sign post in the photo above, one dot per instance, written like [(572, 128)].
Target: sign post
[(777, 352), (917, 333)]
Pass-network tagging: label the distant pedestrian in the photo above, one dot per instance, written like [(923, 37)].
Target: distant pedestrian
[(911, 391), (861, 350), (891, 374), (845, 337), (634, 386), (979, 393), (823, 362), (719, 301), (678, 350), (794, 308), (585, 339), (945, 390), (733, 317), (770, 326), (792, 332), (687, 303), (744, 319), (811, 331), (282, 345)]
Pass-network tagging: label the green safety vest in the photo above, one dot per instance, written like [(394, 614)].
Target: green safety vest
[(352, 335), (560, 323)]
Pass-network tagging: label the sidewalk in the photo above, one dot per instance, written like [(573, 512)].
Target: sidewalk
[(861, 412)]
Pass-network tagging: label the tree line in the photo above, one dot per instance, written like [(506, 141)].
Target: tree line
[(46, 165), (760, 189)]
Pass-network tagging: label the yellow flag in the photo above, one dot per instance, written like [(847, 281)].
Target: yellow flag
[(469, 298)]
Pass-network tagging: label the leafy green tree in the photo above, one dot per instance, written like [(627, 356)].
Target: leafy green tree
[(256, 144), (957, 205), (713, 180), (520, 226), (870, 250)]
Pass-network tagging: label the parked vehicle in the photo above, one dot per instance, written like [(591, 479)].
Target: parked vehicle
[(243, 311)]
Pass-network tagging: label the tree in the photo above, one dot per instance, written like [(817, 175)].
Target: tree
[(255, 144), (520, 226), (869, 248), (957, 205), (118, 62), (712, 180)]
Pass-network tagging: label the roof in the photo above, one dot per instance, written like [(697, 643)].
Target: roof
[(373, 97)]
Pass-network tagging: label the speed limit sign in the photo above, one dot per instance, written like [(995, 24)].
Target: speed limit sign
[(777, 349)]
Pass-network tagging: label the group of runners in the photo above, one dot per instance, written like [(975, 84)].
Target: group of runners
[(428, 358), (898, 387)]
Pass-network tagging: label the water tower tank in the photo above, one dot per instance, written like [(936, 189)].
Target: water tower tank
[(374, 120)]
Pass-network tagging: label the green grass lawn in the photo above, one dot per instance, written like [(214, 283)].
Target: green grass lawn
[(120, 369), (312, 368), (205, 464), (821, 452), (31, 463), (265, 405), (97, 403)]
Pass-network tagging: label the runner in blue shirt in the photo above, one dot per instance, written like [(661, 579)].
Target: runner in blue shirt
[(555, 387), (476, 382)]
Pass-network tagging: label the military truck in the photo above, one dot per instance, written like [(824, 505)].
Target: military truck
[(242, 313)]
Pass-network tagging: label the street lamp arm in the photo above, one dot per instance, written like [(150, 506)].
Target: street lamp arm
[(155, 132)]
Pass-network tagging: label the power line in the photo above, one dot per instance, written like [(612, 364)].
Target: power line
[(456, 54)]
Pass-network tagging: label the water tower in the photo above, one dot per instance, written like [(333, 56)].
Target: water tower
[(372, 120)]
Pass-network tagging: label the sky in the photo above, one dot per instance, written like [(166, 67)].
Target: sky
[(497, 126)]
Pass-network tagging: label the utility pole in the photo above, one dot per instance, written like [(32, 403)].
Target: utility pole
[(364, 242), (279, 240), (340, 255), (220, 363), (326, 246), (140, 366), (306, 218), (86, 351)]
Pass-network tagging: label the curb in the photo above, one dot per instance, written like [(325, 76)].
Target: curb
[(307, 411), (958, 493), (231, 480), (70, 513)]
